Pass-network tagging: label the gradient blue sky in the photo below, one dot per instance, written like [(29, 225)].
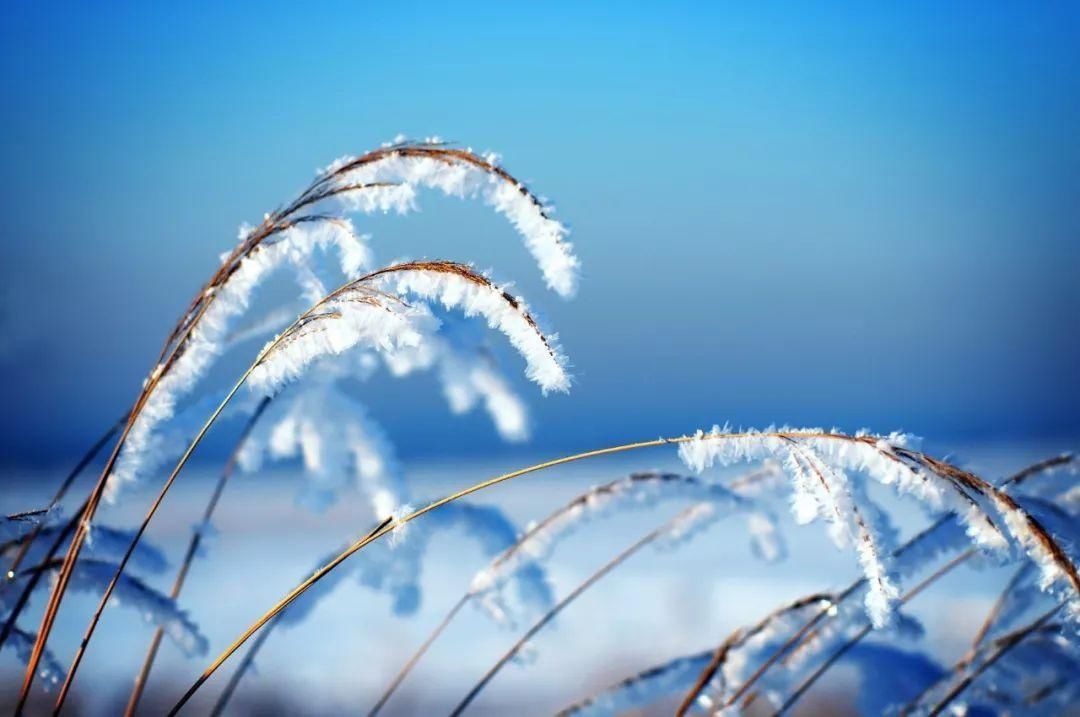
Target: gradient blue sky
[(836, 214)]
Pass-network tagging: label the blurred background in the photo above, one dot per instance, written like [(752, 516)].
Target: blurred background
[(834, 215)]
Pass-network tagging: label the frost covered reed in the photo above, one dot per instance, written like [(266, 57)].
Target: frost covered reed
[(411, 316), (780, 657), (382, 180), (361, 313)]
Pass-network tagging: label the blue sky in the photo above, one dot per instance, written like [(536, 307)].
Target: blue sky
[(831, 215)]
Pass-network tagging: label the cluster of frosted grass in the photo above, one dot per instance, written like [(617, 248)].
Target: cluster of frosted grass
[(208, 335), (293, 242), (822, 465), (403, 172), (638, 491)]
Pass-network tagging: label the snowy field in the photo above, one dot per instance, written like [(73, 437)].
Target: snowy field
[(657, 606)]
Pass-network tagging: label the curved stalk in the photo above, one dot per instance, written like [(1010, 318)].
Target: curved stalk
[(189, 556), (77, 660), (388, 526), (61, 491), (242, 669), (1003, 646), (420, 652), (559, 607), (843, 649)]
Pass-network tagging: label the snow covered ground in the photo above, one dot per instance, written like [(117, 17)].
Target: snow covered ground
[(657, 606)]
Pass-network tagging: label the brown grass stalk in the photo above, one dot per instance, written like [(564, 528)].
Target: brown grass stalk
[(242, 669), (995, 611)]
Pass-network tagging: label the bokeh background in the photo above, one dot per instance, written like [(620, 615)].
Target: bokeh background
[(831, 214)]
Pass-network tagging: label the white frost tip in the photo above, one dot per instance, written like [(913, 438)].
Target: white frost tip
[(398, 524)]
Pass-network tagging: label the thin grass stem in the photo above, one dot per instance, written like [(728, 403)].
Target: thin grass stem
[(809, 682), (189, 556), (559, 607), (418, 654)]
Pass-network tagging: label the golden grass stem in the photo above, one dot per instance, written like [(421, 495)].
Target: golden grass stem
[(192, 551), (387, 527), (242, 669)]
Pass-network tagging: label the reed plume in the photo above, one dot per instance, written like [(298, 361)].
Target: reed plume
[(288, 236), (360, 312)]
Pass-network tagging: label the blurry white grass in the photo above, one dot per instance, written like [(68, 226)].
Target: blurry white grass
[(155, 608), (717, 501), (798, 637), (517, 569)]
